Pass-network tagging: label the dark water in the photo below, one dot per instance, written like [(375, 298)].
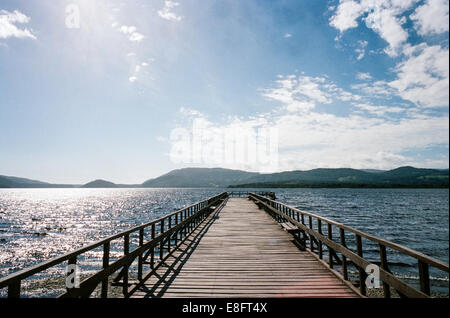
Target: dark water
[(37, 224)]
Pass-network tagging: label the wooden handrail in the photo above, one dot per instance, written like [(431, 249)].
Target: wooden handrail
[(420, 256), (284, 212), (269, 194), (184, 218)]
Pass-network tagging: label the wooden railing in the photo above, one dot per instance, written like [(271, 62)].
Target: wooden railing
[(318, 240), (240, 194), (165, 233)]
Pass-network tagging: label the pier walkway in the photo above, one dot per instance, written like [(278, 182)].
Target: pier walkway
[(230, 257)]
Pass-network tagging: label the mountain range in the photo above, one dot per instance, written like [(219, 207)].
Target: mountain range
[(219, 177)]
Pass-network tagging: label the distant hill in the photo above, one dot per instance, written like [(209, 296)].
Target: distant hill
[(15, 182), (320, 175), (400, 177), (217, 177), (199, 177), (5, 182), (373, 170), (99, 184)]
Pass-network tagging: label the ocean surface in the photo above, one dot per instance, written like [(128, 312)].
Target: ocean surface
[(38, 224)]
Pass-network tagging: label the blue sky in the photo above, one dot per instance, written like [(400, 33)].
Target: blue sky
[(94, 89)]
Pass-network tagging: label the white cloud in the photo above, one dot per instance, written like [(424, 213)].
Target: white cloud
[(363, 76), (300, 106), (346, 16), (137, 71), (298, 93), (166, 12), (379, 89), (379, 110), (385, 22), (326, 140), (302, 93), (361, 50), (136, 37), (189, 112), (310, 87), (287, 35), (432, 17), (138, 68), (346, 96), (423, 77), (9, 29), (131, 32), (382, 16)]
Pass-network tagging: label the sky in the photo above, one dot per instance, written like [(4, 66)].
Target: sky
[(128, 90)]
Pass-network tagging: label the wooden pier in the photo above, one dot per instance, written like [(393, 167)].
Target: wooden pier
[(236, 244), (227, 257)]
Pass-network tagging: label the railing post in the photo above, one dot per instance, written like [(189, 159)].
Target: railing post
[(424, 276), (189, 215), (311, 244), (141, 242), (299, 233), (330, 250), (152, 256), (384, 265), (319, 226), (104, 288), (362, 272), (126, 251), (169, 237), (14, 289), (161, 243), (185, 212), (344, 259), (176, 233), (195, 213), (196, 219)]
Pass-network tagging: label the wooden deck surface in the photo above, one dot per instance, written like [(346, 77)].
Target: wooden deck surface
[(242, 252)]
